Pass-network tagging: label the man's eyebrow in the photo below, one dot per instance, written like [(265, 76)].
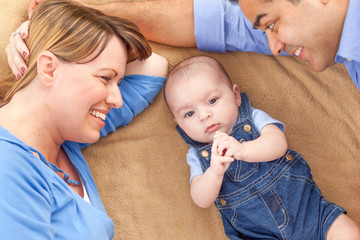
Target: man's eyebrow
[(258, 19)]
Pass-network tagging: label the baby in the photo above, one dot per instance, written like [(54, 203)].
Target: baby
[(239, 159)]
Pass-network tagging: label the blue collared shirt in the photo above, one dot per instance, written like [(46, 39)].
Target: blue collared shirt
[(349, 48), (223, 27)]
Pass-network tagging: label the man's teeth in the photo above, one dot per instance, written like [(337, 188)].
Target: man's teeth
[(98, 114), (298, 51)]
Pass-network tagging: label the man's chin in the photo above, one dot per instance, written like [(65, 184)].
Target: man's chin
[(318, 67)]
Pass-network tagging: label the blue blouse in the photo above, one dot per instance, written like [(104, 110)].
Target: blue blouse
[(35, 203)]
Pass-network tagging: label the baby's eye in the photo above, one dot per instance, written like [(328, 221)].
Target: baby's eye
[(189, 114), (212, 101)]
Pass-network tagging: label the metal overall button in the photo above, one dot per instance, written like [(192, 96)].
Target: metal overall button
[(222, 201), (247, 128), (289, 157), (205, 154)]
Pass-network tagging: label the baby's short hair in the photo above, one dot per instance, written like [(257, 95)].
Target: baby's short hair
[(192, 66)]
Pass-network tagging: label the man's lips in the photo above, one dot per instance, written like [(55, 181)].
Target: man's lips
[(298, 52), (212, 128)]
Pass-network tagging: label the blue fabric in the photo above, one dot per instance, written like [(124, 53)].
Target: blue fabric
[(223, 27), (137, 92), (268, 200), (261, 119), (35, 203), (349, 48), (220, 26)]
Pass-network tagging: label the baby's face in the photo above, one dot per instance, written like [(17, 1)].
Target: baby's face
[(203, 104)]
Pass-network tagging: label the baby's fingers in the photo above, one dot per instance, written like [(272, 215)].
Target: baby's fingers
[(227, 160)]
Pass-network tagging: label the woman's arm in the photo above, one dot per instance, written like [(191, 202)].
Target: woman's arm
[(143, 81), (155, 65)]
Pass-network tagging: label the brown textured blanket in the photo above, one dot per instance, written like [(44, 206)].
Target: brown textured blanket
[(141, 170)]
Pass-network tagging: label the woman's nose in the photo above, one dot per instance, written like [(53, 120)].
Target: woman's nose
[(114, 98)]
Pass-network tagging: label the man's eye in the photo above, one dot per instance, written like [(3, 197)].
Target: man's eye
[(212, 101), (270, 26), (189, 114)]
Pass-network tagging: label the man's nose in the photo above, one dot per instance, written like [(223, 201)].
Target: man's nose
[(275, 45)]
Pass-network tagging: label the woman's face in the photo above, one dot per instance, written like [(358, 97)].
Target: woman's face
[(86, 91)]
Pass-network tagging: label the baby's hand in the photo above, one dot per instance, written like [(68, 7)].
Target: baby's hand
[(228, 146), (219, 163)]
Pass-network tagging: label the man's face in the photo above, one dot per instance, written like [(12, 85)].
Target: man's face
[(306, 29)]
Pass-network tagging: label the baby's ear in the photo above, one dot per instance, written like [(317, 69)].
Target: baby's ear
[(236, 92), (47, 63)]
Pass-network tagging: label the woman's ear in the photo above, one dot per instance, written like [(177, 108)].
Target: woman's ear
[(236, 92), (47, 63)]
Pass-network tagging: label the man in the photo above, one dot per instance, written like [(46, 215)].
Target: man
[(321, 32)]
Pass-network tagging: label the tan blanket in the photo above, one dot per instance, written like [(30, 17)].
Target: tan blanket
[(141, 171)]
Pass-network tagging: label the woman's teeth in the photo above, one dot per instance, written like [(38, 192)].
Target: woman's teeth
[(98, 114)]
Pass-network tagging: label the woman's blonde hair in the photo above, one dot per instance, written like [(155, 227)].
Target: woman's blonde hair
[(72, 32)]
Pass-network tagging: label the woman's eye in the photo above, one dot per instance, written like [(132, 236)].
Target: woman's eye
[(189, 114), (106, 78), (212, 101)]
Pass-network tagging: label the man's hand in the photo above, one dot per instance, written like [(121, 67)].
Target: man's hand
[(32, 6), (17, 51)]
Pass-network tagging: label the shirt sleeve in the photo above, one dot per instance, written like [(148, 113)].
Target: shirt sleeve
[(137, 91), (25, 202), (194, 163), (261, 119), (220, 26)]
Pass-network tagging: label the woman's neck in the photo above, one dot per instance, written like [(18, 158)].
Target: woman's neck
[(29, 120)]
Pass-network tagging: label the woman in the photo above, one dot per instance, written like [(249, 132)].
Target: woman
[(68, 97)]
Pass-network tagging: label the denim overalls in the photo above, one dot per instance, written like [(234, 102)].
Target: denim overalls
[(268, 200)]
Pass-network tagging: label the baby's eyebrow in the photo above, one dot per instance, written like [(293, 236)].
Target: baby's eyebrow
[(182, 108), (258, 19)]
